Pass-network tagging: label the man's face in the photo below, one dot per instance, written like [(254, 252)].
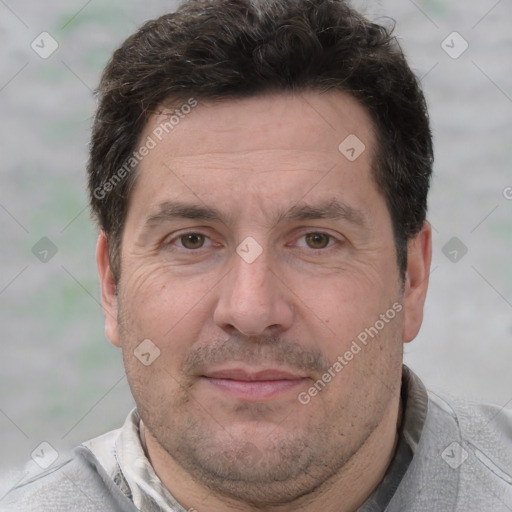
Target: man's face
[(256, 254)]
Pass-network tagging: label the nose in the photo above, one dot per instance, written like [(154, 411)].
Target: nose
[(253, 299)]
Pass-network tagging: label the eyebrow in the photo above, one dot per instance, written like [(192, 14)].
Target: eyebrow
[(169, 210), (333, 210)]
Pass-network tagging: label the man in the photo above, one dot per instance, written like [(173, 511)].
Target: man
[(259, 171)]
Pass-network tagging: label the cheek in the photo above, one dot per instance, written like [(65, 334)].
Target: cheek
[(161, 319), (366, 365), (164, 308), (342, 305)]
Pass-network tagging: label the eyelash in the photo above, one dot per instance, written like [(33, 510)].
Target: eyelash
[(332, 241)]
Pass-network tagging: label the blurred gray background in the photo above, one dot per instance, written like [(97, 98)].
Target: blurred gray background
[(60, 380)]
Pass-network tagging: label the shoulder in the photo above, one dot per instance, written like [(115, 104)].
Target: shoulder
[(483, 429), (80, 483), (464, 458)]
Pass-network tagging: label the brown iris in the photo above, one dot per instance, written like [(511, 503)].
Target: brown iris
[(317, 240), (192, 240)]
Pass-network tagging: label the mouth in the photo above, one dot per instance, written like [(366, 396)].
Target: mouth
[(253, 385)]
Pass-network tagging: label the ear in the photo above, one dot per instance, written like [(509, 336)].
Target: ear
[(419, 255), (108, 290)]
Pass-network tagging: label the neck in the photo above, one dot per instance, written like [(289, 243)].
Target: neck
[(346, 491)]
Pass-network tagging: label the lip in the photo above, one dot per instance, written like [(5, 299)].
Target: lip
[(253, 385), (252, 375)]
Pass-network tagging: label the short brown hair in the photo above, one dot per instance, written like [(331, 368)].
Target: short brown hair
[(219, 50)]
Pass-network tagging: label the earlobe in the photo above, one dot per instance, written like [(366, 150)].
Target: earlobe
[(108, 290), (419, 256)]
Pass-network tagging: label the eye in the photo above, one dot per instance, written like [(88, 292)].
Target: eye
[(189, 244), (317, 240), (192, 240)]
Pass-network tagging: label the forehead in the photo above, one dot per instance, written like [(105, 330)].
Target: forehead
[(310, 120), (257, 151)]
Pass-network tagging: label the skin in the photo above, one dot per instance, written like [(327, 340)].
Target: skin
[(297, 307)]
